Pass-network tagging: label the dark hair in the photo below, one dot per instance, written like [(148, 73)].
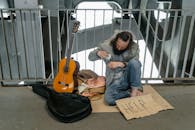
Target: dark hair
[(125, 36)]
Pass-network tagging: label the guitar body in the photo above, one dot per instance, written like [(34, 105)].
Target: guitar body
[(64, 81)]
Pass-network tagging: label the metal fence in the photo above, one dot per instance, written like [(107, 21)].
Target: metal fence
[(33, 41)]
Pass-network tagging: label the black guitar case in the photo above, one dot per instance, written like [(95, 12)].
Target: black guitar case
[(66, 107)]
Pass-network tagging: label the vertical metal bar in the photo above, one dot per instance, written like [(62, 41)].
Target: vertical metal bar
[(34, 40), (85, 38), (103, 38), (76, 40), (67, 33), (146, 46), (139, 24), (62, 27), (59, 37), (25, 26), (146, 81), (139, 20), (154, 46), (62, 30), (14, 38), (5, 41), (94, 38), (23, 38), (112, 27), (129, 20), (50, 43), (163, 44), (192, 65), (41, 38), (2, 76), (180, 41), (103, 23), (121, 24), (172, 36), (188, 45)]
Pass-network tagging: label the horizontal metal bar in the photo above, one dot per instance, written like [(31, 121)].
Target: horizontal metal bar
[(167, 79), (50, 79), (45, 9)]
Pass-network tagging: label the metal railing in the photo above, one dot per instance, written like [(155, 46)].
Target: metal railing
[(33, 41)]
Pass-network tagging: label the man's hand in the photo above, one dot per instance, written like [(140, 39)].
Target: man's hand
[(102, 54), (115, 64)]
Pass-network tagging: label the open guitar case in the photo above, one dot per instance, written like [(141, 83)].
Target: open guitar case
[(66, 107)]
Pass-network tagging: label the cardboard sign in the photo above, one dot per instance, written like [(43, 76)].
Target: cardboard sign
[(141, 106)]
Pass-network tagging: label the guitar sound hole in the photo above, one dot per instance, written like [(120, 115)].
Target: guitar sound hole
[(62, 83)]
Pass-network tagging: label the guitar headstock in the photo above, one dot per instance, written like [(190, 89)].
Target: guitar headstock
[(75, 27)]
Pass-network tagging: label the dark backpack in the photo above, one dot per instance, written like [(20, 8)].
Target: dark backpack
[(66, 107)]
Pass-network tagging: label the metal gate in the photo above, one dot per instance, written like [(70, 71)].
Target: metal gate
[(32, 41)]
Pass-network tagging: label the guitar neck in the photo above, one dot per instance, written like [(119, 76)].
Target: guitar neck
[(69, 52)]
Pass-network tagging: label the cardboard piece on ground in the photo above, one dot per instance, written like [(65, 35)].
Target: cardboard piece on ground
[(100, 106), (157, 98), (149, 103)]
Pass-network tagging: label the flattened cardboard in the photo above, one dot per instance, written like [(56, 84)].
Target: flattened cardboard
[(100, 106), (148, 104)]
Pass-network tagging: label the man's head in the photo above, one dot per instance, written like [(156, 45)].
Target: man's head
[(121, 42)]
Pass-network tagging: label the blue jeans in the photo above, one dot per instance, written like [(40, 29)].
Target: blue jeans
[(121, 88)]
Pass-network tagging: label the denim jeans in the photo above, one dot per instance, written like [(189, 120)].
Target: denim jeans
[(121, 87)]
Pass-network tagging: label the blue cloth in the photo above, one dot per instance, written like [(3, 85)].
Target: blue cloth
[(121, 87)]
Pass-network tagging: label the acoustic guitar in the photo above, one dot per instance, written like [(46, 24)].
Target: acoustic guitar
[(64, 80)]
